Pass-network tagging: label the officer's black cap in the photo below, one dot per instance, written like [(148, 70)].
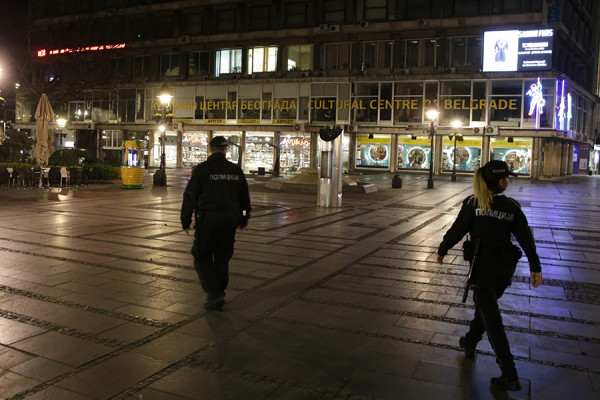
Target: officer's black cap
[(218, 142), (495, 170)]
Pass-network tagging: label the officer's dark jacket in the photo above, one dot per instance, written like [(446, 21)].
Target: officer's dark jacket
[(216, 185), (494, 228)]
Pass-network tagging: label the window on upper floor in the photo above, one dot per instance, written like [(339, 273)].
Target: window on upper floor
[(296, 14), (260, 18), (376, 10), (419, 52), (464, 51), (262, 59), (228, 61), (334, 56), (225, 21), (169, 64), (199, 63), (299, 57), (164, 27), (334, 11), (194, 23), (376, 54)]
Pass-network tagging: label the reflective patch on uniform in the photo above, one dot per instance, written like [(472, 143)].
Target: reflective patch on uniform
[(223, 177), (502, 215)]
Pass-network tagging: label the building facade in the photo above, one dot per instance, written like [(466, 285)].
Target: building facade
[(520, 76)]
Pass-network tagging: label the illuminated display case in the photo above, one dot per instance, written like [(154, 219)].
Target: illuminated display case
[(295, 153), (373, 152), (259, 152), (516, 153), (195, 149), (468, 154), (414, 153)]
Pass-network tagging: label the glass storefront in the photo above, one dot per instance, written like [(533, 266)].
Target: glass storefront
[(259, 151), (516, 152), (195, 148), (468, 154), (295, 153), (170, 150), (413, 152), (373, 151)]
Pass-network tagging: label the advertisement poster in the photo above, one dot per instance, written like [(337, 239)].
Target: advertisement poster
[(414, 153), (581, 157), (372, 153), (468, 155), (516, 153), (516, 50)]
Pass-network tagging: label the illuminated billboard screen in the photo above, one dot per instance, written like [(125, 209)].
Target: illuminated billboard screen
[(529, 50)]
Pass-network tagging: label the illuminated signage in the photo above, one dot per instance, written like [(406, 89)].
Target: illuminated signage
[(44, 52), (516, 50), (563, 101), (537, 101)]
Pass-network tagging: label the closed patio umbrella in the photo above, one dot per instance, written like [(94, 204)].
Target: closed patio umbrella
[(43, 115)]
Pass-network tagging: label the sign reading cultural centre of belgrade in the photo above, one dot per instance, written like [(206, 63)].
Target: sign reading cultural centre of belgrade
[(515, 50)]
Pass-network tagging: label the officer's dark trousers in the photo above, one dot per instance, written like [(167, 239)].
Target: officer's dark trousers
[(213, 248), (488, 319)]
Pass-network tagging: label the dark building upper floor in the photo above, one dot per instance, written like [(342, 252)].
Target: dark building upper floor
[(196, 40)]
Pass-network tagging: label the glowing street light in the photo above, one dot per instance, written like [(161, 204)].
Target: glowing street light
[(163, 118)]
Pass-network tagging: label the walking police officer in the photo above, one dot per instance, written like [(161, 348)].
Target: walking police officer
[(490, 217), (217, 192)]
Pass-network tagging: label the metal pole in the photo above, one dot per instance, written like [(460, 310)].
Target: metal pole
[(454, 161), (431, 153)]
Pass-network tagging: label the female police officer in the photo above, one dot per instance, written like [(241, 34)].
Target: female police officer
[(490, 218)]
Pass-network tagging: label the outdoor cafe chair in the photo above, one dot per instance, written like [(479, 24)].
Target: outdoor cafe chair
[(64, 177)]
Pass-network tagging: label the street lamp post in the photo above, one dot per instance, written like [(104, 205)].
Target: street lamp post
[(456, 125), (432, 115), (163, 118)]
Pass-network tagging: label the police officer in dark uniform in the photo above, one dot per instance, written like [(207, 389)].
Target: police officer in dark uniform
[(491, 218), (218, 193)]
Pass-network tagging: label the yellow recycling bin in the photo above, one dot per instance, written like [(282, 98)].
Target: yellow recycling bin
[(132, 171)]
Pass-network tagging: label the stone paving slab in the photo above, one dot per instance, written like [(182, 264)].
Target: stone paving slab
[(99, 298)]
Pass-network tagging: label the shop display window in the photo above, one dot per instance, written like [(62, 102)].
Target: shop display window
[(373, 151), (468, 154), (259, 152), (295, 153), (195, 149), (414, 152), (516, 152), (170, 151)]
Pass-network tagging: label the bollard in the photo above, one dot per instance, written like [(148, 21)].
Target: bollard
[(397, 182)]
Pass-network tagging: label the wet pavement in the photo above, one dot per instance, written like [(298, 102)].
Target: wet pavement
[(99, 298)]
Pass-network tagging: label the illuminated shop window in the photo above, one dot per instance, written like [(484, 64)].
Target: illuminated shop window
[(194, 147), (373, 151), (468, 154), (515, 151), (414, 152)]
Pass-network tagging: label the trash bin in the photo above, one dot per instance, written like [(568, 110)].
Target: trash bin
[(397, 182)]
